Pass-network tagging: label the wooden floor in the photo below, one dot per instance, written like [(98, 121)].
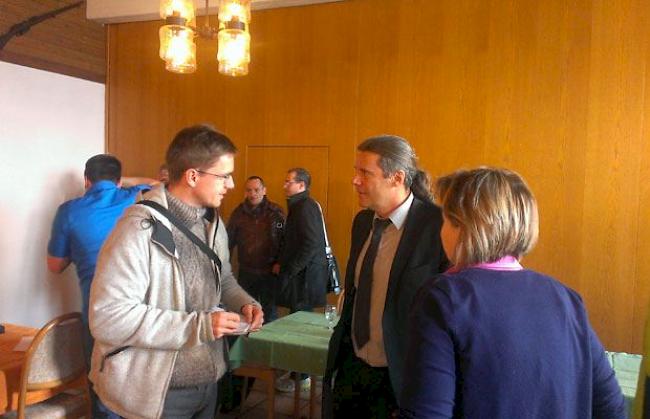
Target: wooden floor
[(255, 405)]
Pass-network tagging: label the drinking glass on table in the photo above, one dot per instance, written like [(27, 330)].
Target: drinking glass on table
[(330, 315)]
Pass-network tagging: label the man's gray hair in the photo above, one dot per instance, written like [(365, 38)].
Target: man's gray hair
[(301, 175), (395, 153)]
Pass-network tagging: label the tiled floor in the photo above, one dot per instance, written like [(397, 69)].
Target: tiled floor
[(256, 405)]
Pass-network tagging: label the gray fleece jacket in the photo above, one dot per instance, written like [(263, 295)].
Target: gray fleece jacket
[(137, 310)]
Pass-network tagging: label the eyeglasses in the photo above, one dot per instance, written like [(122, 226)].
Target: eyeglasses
[(289, 182), (218, 176)]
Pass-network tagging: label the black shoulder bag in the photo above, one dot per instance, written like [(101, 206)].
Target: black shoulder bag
[(333, 274), (179, 225)]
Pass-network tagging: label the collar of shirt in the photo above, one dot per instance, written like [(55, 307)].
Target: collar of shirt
[(101, 185), (398, 216), (506, 263), (297, 197)]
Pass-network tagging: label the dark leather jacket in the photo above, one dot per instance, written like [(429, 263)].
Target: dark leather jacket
[(257, 234)]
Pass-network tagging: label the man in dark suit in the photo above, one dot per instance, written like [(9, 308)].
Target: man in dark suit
[(302, 256), (395, 247), (303, 263)]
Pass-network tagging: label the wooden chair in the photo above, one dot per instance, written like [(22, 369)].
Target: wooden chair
[(263, 373), (54, 371)]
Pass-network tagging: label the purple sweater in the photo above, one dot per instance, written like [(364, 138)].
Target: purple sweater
[(505, 344)]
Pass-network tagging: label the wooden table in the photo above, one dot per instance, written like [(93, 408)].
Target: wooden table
[(10, 364)]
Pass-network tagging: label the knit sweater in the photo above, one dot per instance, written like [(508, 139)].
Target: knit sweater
[(203, 363)]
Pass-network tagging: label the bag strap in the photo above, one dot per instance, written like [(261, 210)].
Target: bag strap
[(183, 228), (328, 249)]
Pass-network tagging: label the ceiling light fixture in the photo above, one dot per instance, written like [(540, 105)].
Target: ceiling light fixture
[(177, 47)]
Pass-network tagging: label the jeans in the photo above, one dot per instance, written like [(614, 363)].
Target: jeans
[(194, 402), (99, 411)]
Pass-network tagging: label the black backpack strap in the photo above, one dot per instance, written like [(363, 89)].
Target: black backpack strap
[(179, 225)]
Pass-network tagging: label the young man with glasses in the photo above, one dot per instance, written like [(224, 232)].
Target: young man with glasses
[(156, 298)]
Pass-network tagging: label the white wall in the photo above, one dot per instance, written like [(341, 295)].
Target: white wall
[(49, 126)]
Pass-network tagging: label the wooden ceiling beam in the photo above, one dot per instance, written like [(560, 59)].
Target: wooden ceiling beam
[(67, 43)]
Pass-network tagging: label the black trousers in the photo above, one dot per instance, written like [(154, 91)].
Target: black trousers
[(262, 287), (362, 391)]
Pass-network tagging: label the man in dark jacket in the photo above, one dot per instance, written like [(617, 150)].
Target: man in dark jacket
[(395, 247), (303, 264), (255, 228)]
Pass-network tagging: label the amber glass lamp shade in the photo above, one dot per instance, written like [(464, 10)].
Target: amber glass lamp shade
[(178, 9), (234, 52), (177, 48), (237, 10)]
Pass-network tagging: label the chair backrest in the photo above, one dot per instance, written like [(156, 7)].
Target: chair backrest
[(54, 358), (340, 300)]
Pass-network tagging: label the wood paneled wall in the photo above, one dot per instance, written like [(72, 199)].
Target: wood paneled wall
[(555, 90)]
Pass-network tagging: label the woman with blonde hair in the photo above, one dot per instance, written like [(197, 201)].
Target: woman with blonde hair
[(490, 339)]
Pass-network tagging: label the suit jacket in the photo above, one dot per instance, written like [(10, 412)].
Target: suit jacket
[(419, 256)]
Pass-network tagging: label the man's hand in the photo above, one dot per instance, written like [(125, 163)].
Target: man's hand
[(254, 315), (275, 269), (57, 265), (224, 323)]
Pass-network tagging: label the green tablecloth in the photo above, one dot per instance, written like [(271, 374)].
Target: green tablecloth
[(297, 342), (626, 367)]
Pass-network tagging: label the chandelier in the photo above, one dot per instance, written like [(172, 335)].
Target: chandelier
[(177, 47)]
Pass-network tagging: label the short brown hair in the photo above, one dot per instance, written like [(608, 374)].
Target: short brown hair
[(198, 146), (495, 211), (103, 167)]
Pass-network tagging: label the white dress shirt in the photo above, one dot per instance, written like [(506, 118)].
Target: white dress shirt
[(373, 351)]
